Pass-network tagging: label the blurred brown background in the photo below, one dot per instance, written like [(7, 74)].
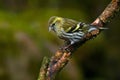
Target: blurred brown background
[(25, 40)]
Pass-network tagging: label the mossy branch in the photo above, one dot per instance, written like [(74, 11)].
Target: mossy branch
[(43, 69), (51, 68)]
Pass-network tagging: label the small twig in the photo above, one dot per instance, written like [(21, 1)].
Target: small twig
[(61, 57)]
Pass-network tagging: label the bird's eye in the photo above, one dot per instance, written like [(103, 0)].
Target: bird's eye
[(53, 24)]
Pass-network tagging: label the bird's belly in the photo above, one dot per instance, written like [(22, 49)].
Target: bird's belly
[(72, 37)]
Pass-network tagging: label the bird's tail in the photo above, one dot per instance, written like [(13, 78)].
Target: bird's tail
[(103, 28)]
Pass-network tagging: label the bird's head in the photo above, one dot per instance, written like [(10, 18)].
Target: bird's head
[(55, 23)]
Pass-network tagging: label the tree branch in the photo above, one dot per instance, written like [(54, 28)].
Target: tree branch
[(43, 69), (50, 69), (110, 11)]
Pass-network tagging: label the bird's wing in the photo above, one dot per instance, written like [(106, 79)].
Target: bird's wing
[(70, 25)]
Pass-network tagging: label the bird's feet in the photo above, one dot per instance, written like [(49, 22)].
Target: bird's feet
[(66, 48)]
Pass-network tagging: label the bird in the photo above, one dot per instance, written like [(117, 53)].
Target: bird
[(71, 31)]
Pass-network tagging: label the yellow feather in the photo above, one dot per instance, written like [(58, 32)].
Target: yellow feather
[(77, 27)]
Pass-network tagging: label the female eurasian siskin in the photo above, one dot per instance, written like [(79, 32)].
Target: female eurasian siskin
[(70, 30)]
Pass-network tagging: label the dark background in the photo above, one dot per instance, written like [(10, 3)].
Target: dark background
[(25, 40)]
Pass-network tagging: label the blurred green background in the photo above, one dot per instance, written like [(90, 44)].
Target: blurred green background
[(25, 40)]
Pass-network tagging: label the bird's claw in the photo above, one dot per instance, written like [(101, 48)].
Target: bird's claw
[(67, 48)]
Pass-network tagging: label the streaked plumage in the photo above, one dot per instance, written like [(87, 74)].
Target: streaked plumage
[(69, 30)]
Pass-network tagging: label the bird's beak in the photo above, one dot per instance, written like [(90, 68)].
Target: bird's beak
[(50, 28)]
